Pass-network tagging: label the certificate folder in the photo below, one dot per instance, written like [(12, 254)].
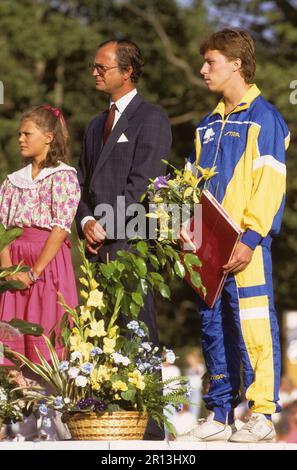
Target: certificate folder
[(220, 235)]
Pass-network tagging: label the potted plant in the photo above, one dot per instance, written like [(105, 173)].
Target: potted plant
[(109, 380)]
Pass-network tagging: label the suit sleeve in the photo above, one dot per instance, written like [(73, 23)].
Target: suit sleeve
[(84, 208), (269, 180)]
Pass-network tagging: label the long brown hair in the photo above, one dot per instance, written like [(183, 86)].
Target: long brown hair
[(50, 119)]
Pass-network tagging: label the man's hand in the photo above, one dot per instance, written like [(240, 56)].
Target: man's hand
[(185, 241), (242, 256), (95, 236)]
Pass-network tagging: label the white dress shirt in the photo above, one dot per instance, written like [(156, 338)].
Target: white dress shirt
[(121, 105)]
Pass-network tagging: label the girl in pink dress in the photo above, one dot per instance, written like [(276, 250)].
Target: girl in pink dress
[(42, 198)]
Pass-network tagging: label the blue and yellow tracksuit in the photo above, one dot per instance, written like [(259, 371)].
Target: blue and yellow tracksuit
[(248, 149)]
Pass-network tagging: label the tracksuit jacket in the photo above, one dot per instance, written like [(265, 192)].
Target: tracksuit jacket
[(248, 149)]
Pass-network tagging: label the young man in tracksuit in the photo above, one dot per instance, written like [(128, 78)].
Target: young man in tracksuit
[(245, 137)]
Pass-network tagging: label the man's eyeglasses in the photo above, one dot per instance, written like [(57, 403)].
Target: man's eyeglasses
[(101, 69)]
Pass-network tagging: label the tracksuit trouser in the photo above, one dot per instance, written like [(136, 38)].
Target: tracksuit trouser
[(241, 333)]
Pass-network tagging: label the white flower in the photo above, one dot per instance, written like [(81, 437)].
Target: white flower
[(170, 356), (75, 355), (81, 381), (146, 346), (73, 372), (120, 359), (3, 394), (67, 400)]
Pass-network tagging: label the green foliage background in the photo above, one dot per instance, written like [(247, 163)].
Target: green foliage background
[(45, 48)]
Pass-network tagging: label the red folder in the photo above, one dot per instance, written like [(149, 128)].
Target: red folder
[(220, 235)]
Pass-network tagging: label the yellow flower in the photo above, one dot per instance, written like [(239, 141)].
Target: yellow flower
[(207, 173), (76, 344), (93, 284), (84, 294), (136, 378), (190, 179), (109, 345), (75, 341), (102, 373), (83, 281), (95, 299), (195, 198), (158, 199), (119, 385), (117, 396), (97, 329), (95, 385), (85, 313), (188, 192), (113, 332), (85, 349)]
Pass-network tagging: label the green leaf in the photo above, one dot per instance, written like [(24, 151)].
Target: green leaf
[(157, 277), (142, 248), (141, 266), (26, 328), (137, 298), (129, 395), (154, 261), (195, 279), (179, 269), (107, 270), (144, 286), (192, 260), (164, 291), (134, 309)]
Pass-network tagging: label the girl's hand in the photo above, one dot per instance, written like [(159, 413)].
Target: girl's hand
[(23, 277)]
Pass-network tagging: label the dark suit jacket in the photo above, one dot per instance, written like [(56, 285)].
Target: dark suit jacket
[(121, 168)]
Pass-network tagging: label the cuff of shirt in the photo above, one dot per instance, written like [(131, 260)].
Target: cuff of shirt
[(251, 238), (84, 220)]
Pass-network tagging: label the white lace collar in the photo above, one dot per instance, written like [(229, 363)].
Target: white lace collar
[(23, 178)]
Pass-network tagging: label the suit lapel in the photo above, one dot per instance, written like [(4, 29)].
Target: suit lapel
[(117, 131), (97, 139)]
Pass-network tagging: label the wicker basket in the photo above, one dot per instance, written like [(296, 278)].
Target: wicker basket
[(120, 425)]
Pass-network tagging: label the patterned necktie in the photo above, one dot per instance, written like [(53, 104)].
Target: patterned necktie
[(109, 122)]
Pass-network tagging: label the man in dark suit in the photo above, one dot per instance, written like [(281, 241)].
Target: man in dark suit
[(123, 148)]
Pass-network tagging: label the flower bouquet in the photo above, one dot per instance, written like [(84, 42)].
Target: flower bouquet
[(174, 199)]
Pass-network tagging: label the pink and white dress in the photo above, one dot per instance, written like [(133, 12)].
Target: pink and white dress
[(51, 199)]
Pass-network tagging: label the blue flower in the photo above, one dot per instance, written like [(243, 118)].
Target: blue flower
[(86, 368), (161, 182), (63, 366), (139, 332), (133, 325), (43, 410), (96, 351), (58, 403)]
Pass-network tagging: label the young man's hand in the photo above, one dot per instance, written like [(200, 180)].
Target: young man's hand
[(242, 256)]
